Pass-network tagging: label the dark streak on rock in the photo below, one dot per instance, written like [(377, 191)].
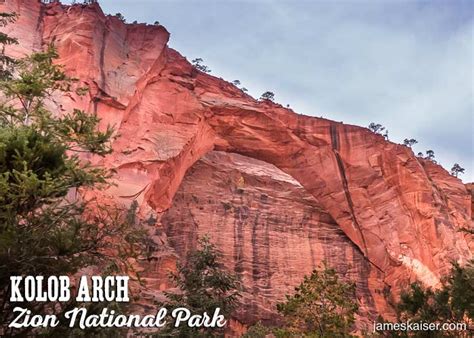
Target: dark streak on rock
[(345, 185), (101, 84)]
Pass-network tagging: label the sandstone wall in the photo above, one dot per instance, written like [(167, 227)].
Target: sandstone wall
[(334, 192)]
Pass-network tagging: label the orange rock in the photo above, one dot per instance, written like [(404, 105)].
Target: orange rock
[(334, 192)]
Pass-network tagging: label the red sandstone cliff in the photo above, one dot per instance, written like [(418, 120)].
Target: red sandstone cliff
[(278, 192)]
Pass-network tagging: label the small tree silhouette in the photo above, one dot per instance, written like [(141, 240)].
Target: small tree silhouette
[(409, 142), (198, 64), (430, 155), (156, 23), (376, 128), (236, 83), (267, 96), (244, 89), (120, 17), (456, 170)]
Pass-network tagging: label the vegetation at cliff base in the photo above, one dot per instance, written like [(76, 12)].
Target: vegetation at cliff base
[(323, 305), (6, 62), (452, 303), (203, 286), (47, 225)]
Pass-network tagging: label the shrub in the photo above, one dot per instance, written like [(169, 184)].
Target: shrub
[(322, 305), (267, 96), (457, 169), (198, 64), (204, 286), (409, 142), (120, 17)]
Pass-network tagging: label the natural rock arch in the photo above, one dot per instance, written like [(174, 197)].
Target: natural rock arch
[(326, 158)]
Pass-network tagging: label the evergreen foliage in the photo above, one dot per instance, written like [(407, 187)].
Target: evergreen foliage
[(376, 128), (204, 286), (267, 96), (6, 62), (430, 156), (199, 65), (46, 227), (409, 142), (322, 306), (452, 303), (120, 17), (457, 169)]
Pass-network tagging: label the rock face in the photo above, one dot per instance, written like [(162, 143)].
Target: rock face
[(271, 231), (278, 192), (470, 189)]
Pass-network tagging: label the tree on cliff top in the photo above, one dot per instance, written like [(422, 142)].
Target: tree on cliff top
[(430, 155), (204, 286), (457, 169), (376, 128), (198, 63), (409, 142), (267, 96), (44, 229), (322, 306), (120, 17)]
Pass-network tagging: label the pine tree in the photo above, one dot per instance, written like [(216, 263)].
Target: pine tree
[(430, 155), (267, 96), (198, 64), (376, 128), (409, 142), (44, 229), (457, 169), (204, 286), (120, 17), (322, 306), (258, 330), (6, 62), (452, 303)]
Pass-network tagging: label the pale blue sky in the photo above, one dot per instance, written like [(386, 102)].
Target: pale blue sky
[(405, 64)]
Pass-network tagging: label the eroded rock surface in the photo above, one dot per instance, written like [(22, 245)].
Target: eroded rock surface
[(270, 230), (341, 193)]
